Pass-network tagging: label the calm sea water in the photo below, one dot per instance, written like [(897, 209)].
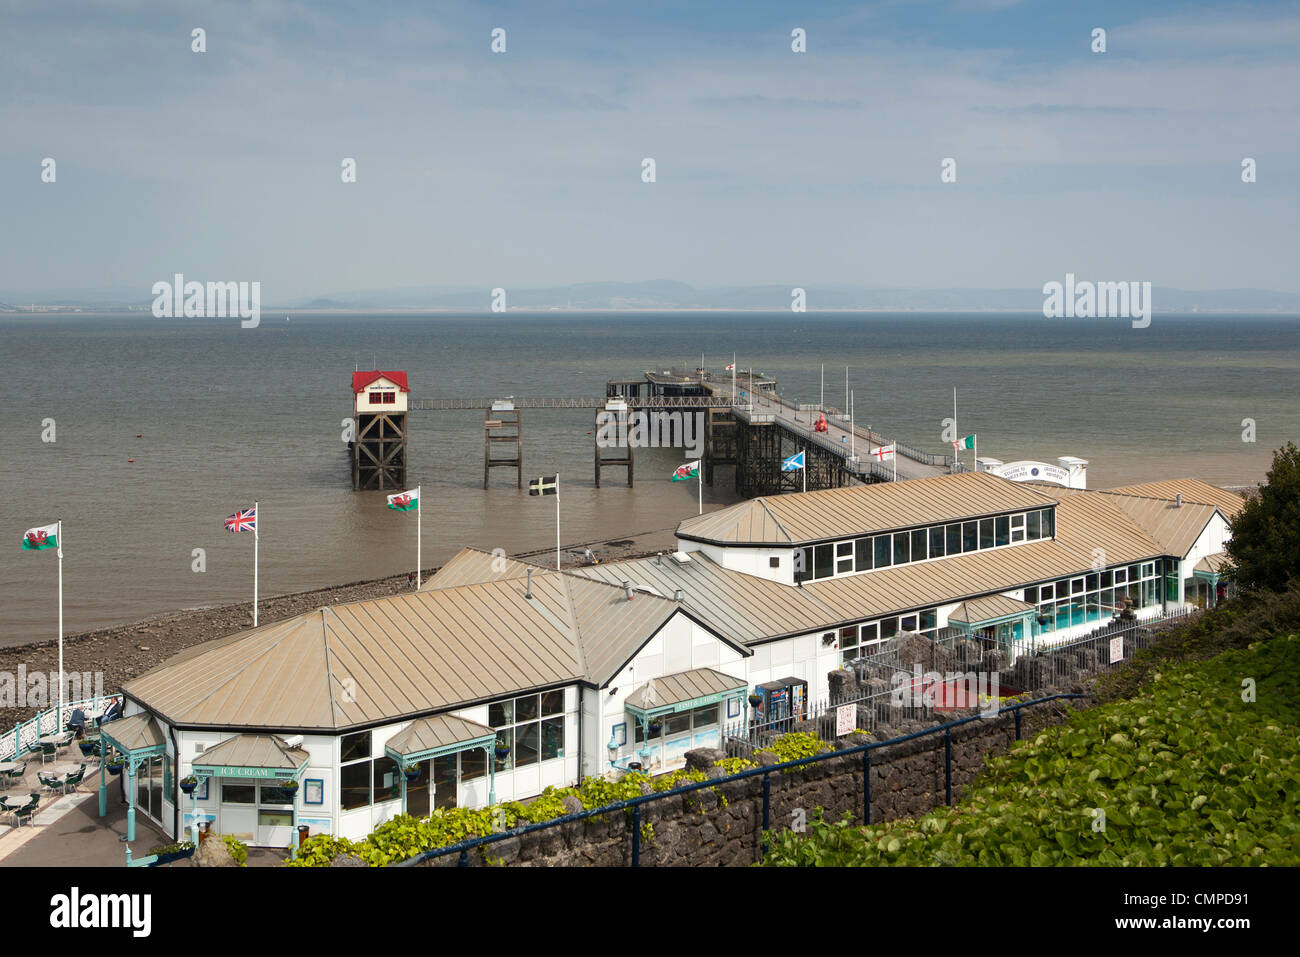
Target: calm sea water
[(229, 415)]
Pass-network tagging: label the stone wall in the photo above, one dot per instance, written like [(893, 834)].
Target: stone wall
[(722, 826)]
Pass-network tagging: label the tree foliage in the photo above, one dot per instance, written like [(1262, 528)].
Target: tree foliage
[(1265, 545)]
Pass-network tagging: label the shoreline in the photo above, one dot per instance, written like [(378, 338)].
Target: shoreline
[(122, 652)]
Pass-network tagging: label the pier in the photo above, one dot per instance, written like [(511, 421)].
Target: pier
[(746, 422)]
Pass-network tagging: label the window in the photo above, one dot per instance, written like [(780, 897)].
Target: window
[(953, 536), (986, 533), (387, 785), (918, 545), (1148, 569), (969, 536), (822, 561), (902, 548), (909, 622), (1017, 528), (473, 764), (1048, 522), (1046, 592), (930, 619), (884, 551), (774, 562), (532, 725), (889, 628), (1031, 595), (239, 794), (276, 796), (843, 557), (1033, 526), (1093, 582), (355, 773), (1076, 586), (936, 542), (1002, 530), (803, 565), (1121, 576), (863, 554)]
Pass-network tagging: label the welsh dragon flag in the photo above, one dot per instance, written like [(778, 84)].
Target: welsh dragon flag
[(44, 536), (404, 501), (966, 443), (688, 471)]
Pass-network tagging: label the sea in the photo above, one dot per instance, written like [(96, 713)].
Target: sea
[(142, 435)]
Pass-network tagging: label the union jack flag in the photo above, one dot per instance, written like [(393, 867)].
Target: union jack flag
[(245, 520)]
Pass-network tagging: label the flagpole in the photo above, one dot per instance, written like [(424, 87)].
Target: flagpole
[(853, 431), (895, 458), (955, 430), (257, 526), (59, 718), (733, 378), (975, 445), (557, 521), (419, 500), (699, 474), (804, 453)]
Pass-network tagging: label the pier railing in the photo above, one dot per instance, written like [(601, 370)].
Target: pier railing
[(26, 734)]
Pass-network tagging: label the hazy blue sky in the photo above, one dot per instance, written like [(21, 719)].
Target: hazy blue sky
[(523, 169)]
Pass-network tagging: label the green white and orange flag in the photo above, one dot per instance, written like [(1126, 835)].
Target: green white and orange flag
[(43, 536), (966, 443), (405, 501)]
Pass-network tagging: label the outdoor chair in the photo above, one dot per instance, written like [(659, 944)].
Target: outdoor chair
[(47, 750), (21, 810), (16, 775), (51, 782), (73, 779)]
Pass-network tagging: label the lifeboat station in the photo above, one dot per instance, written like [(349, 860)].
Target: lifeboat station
[(499, 678)]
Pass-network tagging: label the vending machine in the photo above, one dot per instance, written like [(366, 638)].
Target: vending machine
[(797, 690), (772, 713)]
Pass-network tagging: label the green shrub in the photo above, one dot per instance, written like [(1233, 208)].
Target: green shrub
[(796, 745), (238, 849), (1186, 774)]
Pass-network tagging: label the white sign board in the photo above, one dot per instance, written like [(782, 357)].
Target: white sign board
[(846, 719), (1032, 472), (1117, 649)]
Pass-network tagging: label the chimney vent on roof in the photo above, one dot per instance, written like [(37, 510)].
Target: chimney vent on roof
[(678, 594), (528, 586), (1178, 500), (681, 558), (627, 590), (659, 558)]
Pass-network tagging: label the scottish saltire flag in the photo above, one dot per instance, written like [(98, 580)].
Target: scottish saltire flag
[(793, 464), (688, 471), (544, 485), (885, 452), (404, 501), (966, 443), (245, 520), (43, 536)]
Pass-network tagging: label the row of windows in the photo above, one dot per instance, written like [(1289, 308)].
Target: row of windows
[(383, 398), (531, 726), (681, 723), (1096, 597), (922, 544), (858, 641)]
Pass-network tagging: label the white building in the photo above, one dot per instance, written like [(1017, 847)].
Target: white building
[(576, 672)]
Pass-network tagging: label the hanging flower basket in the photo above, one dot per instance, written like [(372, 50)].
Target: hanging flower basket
[(412, 773), (755, 700), (655, 728), (290, 786), (114, 767), (502, 751), (188, 784)]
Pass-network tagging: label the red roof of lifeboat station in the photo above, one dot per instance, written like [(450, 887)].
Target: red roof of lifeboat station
[(362, 379)]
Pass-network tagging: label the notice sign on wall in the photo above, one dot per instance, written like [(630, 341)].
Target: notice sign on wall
[(846, 719), (1117, 649)]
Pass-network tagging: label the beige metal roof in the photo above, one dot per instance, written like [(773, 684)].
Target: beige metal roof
[(987, 609), (1092, 525), (471, 566), (1176, 529), (683, 686), (803, 517), (253, 751), (439, 731), (406, 655), (1192, 490), (1214, 564), (135, 733)]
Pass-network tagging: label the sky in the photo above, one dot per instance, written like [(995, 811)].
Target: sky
[(524, 168)]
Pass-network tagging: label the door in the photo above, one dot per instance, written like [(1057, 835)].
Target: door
[(445, 780), (417, 793)]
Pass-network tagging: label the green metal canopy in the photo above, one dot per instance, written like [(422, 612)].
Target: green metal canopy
[(437, 736), (251, 756), (991, 610), (136, 736), (682, 692)]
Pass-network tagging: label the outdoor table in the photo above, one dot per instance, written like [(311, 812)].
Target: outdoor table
[(6, 767)]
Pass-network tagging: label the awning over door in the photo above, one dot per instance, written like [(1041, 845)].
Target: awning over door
[(991, 610), (683, 691), (437, 736), (251, 756), (136, 736), (1211, 567)]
